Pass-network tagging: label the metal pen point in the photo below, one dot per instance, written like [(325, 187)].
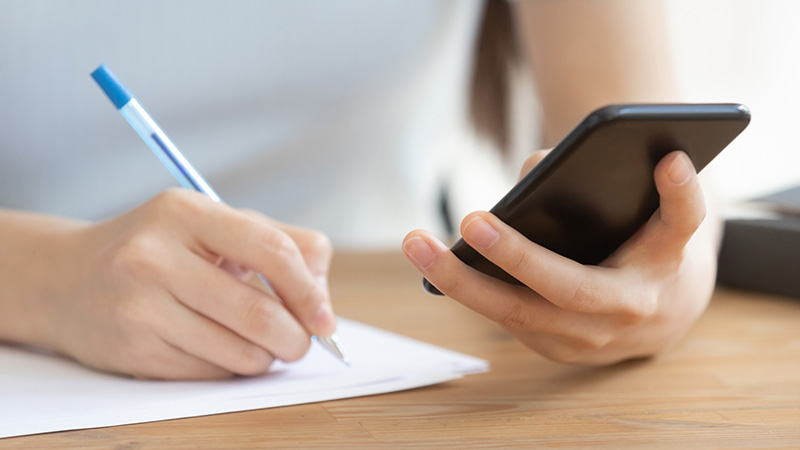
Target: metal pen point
[(175, 162), (332, 344)]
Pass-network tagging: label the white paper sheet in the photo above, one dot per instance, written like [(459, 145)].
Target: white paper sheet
[(41, 393)]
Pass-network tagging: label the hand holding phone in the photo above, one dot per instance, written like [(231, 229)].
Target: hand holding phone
[(595, 189), (578, 304)]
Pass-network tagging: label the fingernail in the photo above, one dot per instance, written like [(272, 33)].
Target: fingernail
[(420, 252), (680, 170), (480, 233)]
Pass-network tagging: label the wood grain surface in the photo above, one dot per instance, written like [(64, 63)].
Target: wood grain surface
[(733, 383)]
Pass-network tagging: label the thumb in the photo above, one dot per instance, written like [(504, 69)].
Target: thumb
[(682, 205)]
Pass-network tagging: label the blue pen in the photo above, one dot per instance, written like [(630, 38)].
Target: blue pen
[(172, 158)]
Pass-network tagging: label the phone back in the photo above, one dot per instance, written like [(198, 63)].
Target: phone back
[(596, 188)]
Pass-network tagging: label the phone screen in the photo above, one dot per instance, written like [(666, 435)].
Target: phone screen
[(596, 188)]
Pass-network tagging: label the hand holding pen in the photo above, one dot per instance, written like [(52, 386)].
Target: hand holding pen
[(144, 294)]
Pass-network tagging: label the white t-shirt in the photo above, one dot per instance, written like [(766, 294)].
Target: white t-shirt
[(339, 116)]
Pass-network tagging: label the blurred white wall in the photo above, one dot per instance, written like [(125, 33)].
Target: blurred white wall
[(745, 51)]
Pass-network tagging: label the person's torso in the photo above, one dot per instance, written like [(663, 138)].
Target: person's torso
[(331, 115)]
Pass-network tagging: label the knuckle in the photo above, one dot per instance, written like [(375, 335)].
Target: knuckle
[(260, 314), (178, 196), (584, 349), (313, 297), (514, 317), (167, 199), (519, 262), (687, 227), (573, 351), (320, 244), (584, 296), (564, 356), (175, 203), (453, 287), (137, 257), (252, 213), (642, 308), (592, 342), (700, 214), (559, 353), (296, 349), (692, 214), (252, 360), (280, 245), (311, 300), (252, 216)]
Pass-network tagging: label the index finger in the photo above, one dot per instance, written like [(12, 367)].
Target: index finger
[(562, 281), (266, 249), (315, 246)]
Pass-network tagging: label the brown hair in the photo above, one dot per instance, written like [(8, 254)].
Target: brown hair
[(496, 53)]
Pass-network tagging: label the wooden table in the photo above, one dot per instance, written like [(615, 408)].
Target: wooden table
[(733, 383)]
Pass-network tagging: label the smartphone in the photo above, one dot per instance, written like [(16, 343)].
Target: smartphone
[(596, 187)]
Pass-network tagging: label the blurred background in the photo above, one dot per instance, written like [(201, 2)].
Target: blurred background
[(727, 51), (745, 51)]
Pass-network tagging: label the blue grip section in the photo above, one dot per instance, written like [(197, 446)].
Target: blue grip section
[(114, 89)]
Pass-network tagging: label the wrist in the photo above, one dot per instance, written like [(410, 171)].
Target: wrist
[(34, 263)]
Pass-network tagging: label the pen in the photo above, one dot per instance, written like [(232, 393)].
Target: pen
[(172, 158)]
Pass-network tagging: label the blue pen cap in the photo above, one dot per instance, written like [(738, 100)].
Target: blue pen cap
[(114, 89)]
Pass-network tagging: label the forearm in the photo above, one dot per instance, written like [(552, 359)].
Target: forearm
[(31, 249), (586, 54)]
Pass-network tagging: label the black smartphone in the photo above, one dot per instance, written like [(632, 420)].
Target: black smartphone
[(596, 187)]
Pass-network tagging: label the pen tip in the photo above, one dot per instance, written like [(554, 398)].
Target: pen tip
[(332, 344)]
